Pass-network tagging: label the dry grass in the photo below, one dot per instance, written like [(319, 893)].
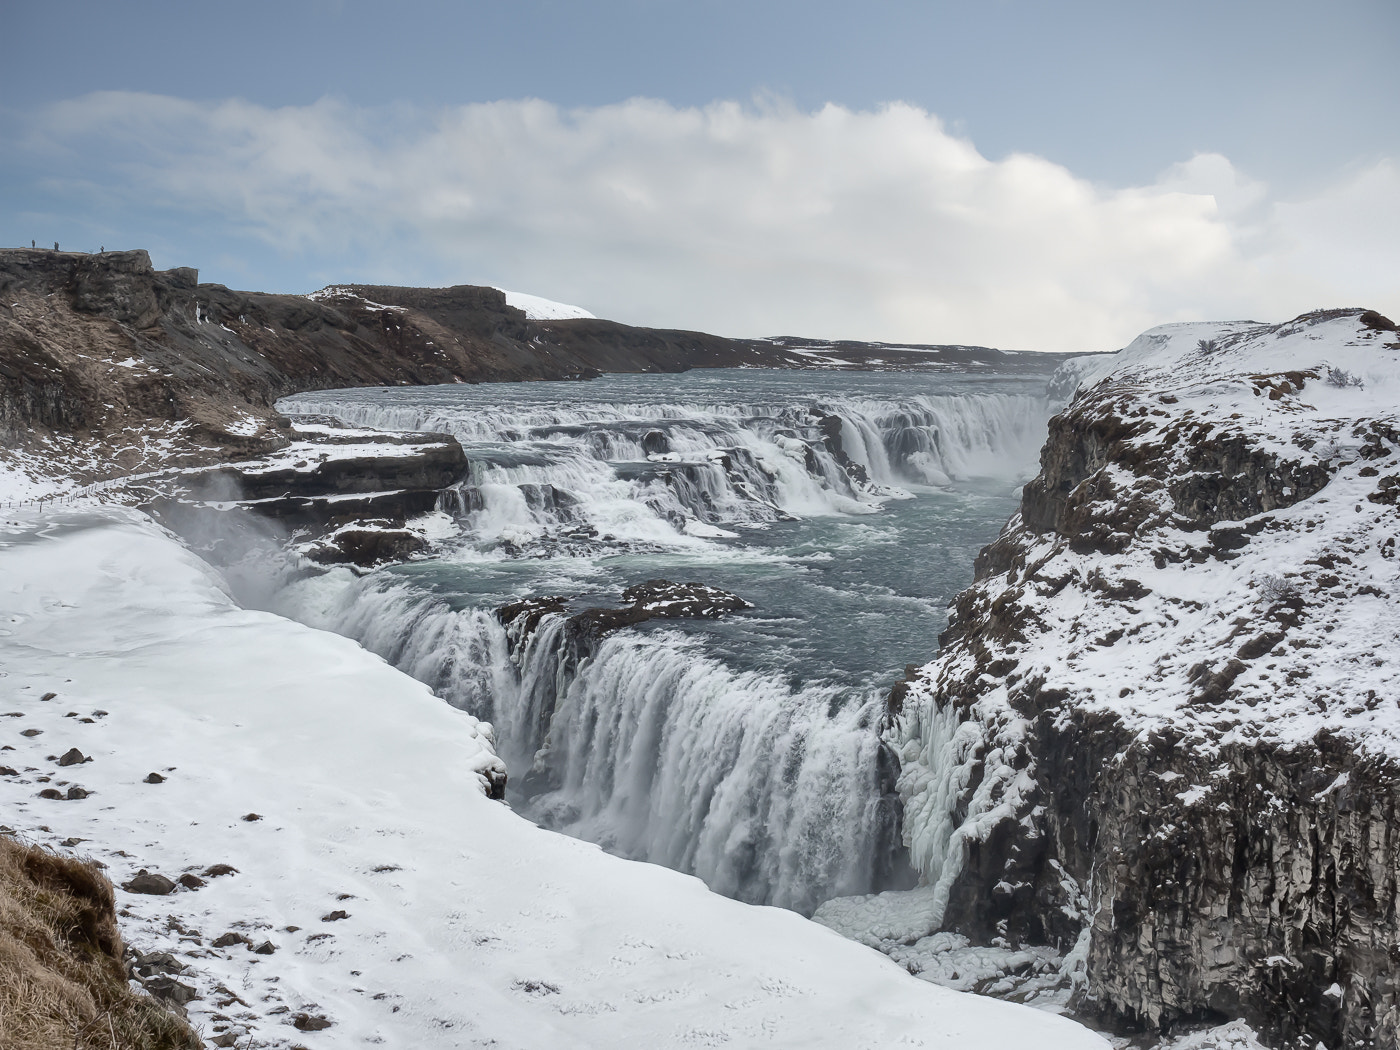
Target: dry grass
[(62, 980)]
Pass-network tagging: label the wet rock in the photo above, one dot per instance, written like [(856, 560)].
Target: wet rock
[(369, 547), (149, 883)]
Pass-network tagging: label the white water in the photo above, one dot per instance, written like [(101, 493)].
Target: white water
[(744, 752), (717, 463)]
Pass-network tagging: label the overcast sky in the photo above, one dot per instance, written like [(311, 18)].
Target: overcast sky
[(1005, 172)]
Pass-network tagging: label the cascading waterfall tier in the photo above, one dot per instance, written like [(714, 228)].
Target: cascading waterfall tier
[(645, 471), (751, 752)]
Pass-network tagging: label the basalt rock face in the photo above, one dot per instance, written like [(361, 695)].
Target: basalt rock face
[(115, 367), (1165, 721), (350, 498), (652, 600)]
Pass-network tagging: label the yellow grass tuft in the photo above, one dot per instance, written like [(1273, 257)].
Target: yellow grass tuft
[(63, 984)]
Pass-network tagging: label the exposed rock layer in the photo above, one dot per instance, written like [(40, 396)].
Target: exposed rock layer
[(1175, 680)]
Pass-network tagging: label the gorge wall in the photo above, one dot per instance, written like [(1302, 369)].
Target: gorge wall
[(1164, 726), (111, 366)]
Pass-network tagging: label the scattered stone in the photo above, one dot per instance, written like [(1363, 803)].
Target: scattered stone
[(266, 948), (69, 843), (229, 1038), (154, 778), (47, 696), (99, 713), (32, 732), (308, 1023), (250, 817), (73, 757), (232, 997), (387, 867), (215, 870), (228, 940), (8, 771), (291, 929), (145, 882), (191, 882), (13, 714), (344, 896), (335, 916), (168, 988), (76, 792), (154, 963), (53, 793), (71, 714)]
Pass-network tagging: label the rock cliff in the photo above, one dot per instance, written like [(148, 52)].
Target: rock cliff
[(108, 366), (1163, 731)]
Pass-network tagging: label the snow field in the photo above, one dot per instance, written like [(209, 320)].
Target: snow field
[(465, 925)]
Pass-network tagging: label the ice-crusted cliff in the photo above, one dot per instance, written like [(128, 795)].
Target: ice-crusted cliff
[(1163, 731)]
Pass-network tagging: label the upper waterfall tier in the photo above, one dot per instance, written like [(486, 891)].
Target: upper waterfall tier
[(630, 460)]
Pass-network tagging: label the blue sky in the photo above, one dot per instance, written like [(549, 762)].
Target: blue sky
[(1053, 175)]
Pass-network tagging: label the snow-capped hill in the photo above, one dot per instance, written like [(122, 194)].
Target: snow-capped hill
[(1325, 341), (1166, 717), (538, 309)]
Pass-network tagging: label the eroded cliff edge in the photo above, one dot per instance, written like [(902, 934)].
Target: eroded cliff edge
[(1163, 731), (109, 366)]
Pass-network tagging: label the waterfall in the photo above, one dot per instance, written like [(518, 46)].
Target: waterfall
[(650, 473), (648, 746), (773, 785)]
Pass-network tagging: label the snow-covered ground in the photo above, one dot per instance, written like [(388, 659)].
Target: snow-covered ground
[(1320, 394), (539, 309), (388, 894)]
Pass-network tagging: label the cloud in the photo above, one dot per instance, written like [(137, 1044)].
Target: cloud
[(745, 220)]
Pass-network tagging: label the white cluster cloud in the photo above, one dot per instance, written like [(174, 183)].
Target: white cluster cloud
[(752, 220)]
